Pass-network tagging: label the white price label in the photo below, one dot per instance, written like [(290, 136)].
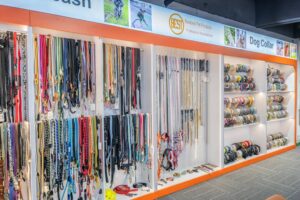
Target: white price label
[(50, 115), (2, 117), (93, 107)]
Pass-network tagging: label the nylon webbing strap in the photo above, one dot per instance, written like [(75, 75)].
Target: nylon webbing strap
[(122, 78), (65, 77), (68, 161), (13, 84), (181, 96)]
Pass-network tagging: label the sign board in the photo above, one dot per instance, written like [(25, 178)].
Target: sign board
[(135, 14)]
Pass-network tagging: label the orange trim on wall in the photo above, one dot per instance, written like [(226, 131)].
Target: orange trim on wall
[(14, 15)]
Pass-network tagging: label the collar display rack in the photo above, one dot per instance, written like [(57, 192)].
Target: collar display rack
[(133, 115)]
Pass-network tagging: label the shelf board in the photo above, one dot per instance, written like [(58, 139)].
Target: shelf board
[(278, 120), (279, 148), (186, 177), (241, 126), (276, 92), (240, 92), (139, 193), (241, 160)]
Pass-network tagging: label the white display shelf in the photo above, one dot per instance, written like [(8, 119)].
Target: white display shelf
[(240, 92), (255, 156), (138, 194), (241, 160), (279, 148), (275, 92), (241, 126), (279, 120), (184, 178)]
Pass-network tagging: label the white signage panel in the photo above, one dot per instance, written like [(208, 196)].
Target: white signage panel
[(175, 24), (260, 43), (135, 14), (89, 10)]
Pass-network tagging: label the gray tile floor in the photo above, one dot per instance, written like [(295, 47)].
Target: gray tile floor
[(277, 175)]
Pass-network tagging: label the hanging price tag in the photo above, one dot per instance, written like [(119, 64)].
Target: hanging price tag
[(50, 115), (93, 107), (2, 118)]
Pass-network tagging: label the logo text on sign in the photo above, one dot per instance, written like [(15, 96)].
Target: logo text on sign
[(176, 24)]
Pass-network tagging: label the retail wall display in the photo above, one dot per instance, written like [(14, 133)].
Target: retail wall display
[(276, 140), (241, 150), (65, 77), (69, 158), (129, 119), (270, 105), (244, 107), (181, 116), (280, 106), (14, 161), (13, 70), (128, 137), (239, 111)]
